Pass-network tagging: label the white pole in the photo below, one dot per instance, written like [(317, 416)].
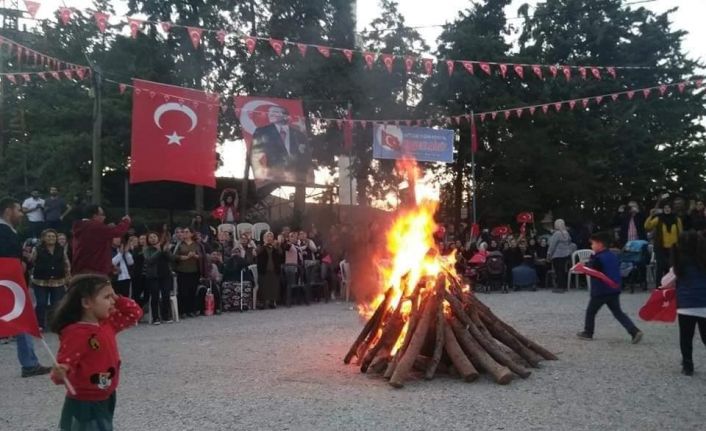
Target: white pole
[(68, 384)]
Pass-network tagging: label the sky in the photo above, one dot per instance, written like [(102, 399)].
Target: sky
[(425, 14)]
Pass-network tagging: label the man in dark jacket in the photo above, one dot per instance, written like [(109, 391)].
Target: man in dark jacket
[(92, 242), (602, 294), (10, 247), (281, 152)]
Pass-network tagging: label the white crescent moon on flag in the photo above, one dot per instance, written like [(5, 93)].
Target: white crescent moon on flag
[(173, 106), (245, 120), (20, 299)]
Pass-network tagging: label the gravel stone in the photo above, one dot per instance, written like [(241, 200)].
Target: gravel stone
[(283, 370)]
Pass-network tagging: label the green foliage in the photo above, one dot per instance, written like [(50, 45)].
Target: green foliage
[(576, 163)]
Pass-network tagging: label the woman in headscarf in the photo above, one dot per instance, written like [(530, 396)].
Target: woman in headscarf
[(560, 249), (667, 227)]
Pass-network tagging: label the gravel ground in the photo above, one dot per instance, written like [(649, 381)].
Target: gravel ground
[(282, 370)]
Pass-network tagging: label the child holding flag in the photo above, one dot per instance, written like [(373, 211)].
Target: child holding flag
[(604, 269), (87, 320)]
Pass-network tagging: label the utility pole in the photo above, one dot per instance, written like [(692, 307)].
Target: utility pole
[(97, 162), (243, 201)]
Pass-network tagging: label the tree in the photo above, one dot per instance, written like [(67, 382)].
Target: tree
[(574, 163)]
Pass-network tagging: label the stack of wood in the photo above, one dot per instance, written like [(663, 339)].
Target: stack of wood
[(448, 330)]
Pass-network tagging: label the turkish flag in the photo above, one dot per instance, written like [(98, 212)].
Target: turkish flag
[(661, 306), (174, 137), (16, 311), (501, 231), (390, 141), (581, 268), (525, 217)]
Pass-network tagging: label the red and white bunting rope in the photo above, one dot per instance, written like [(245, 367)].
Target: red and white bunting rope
[(213, 98), (79, 73), (517, 112), (39, 59), (483, 67)]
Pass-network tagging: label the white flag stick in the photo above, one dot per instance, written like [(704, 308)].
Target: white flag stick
[(68, 384)]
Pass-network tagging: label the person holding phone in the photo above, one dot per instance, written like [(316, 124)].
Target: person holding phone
[(667, 227)]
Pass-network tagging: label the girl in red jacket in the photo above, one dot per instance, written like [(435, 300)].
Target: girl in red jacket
[(87, 320)]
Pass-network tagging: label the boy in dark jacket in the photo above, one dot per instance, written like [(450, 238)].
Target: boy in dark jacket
[(606, 262)]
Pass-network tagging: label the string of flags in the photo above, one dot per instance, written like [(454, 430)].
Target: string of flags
[(18, 77), (26, 55), (212, 99), (370, 58), (518, 112), (515, 112)]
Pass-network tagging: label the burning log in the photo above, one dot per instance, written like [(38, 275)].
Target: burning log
[(370, 328), (473, 338), (415, 344), (458, 358), (438, 342), (390, 333)]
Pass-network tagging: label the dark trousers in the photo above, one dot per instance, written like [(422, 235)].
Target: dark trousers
[(613, 303), (46, 296), (35, 229), (561, 271), (662, 257), (291, 274), (157, 291), (122, 287), (687, 329), (140, 291), (187, 282)]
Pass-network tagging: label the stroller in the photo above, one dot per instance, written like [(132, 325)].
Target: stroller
[(493, 274), (633, 264)]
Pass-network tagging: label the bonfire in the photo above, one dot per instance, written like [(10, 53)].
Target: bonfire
[(426, 320)]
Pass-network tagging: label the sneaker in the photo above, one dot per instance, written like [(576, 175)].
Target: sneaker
[(584, 335), (156, 322), (169, 321), (36, 371), (637, 337)]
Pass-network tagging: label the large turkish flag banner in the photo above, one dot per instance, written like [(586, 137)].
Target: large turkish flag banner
[(174, 132), (16, 311)]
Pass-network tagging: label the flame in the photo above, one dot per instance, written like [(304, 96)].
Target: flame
[(414, 258)]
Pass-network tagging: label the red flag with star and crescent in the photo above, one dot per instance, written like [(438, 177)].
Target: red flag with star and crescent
[(174, 132), (16, 311)]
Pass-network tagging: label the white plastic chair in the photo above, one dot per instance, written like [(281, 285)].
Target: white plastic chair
[(227, 227), (582, 256), (255, 287), (242, 228), (173, 299), (258, 229), (345, 278)]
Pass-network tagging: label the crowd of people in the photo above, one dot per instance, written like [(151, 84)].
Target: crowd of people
[(152, 265), (526, 260)]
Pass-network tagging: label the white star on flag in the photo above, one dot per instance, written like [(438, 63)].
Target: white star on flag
[(174, 139)]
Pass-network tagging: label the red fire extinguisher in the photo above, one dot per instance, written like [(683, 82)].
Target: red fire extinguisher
[(210, 303)]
